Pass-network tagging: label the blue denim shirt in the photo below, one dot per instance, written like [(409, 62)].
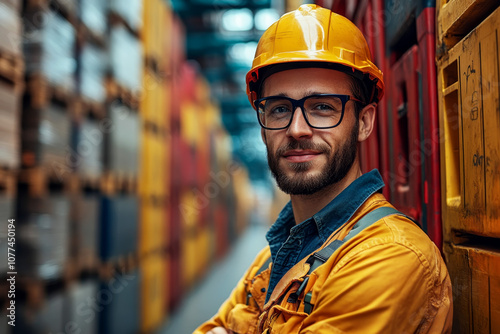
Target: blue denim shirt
[(290, 243)]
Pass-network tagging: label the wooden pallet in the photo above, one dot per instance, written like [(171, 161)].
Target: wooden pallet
[(456, 18), (155, 67), (40, 93), (12, 69), (86, 108), (116, 19), (89, 183), (8, 182), (119, 182), (33, 291), (41, 180), (87, 264), (121, 264), (86, 35), (37, 7), (115, 91), (156, 129)]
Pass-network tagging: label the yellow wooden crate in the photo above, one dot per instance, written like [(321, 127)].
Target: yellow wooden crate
[(153, 293), (152, 228), (475, 276), (456, 18), (469, 100)]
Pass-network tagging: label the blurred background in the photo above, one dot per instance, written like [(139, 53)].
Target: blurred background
[(130, 159), (133, 165)]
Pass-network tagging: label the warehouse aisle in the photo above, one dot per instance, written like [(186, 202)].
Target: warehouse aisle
[(204, 301)]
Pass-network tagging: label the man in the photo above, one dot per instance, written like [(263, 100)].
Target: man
[(339, 259)]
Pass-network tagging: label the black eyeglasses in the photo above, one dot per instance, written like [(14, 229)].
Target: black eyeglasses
[(321, 111)]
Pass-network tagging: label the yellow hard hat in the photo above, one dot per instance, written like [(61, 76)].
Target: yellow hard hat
[(312, 36)]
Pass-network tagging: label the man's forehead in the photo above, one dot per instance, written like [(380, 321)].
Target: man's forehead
[(309, 81)]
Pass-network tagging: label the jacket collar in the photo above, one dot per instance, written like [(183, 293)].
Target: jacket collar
[(342, 208), (333, 215)]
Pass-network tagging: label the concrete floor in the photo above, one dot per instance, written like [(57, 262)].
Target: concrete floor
[(204, 301)]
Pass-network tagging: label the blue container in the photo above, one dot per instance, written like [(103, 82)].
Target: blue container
[(119, 300), (119, 226)]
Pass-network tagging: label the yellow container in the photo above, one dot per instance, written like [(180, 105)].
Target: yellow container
[(190, 252), (456, 18), (468, 92), (157, 21), (204, 247), (244, 198), (152, 228), (153, 105), (189, 258), (475, 275), (152, 293), (162, 114), (154, 168), (147, 95)]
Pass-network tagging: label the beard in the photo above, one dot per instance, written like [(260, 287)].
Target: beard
[(335, 170)]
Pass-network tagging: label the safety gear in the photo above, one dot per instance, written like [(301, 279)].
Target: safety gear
[(312, 36), (389, 278)]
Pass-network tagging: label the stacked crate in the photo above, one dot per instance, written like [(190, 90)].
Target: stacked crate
[(45, 179), (178, 169), (120, 201), (88, 133), (120, 187), (11, 86), (48, 160), (154, 169), (206, 212), (468, 77), (77, 206)]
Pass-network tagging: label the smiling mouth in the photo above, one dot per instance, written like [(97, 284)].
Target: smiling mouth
[(301, 155)]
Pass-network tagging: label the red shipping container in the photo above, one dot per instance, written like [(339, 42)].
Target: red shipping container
[(430, 141), (374, 152), (405, 117)]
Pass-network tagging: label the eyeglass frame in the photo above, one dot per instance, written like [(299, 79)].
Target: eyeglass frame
[(344, 98)]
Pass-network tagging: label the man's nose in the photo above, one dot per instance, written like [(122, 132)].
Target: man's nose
[(299, 128)]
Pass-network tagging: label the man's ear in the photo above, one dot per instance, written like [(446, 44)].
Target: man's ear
[(263, 135), (366, 121)]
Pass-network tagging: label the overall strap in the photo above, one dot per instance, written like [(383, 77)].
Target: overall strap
[(264, 266), (371, 217), (321, 256)]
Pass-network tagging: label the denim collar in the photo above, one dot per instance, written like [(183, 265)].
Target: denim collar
[(331, 217)]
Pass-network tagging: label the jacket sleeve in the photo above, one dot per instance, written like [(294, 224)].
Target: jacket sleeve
[(237, 296), (384, 288)]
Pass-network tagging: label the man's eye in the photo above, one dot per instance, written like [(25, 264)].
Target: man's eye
[(280, 110), (323, 106)]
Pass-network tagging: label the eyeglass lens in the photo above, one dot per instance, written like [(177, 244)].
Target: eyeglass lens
[(320, 111)]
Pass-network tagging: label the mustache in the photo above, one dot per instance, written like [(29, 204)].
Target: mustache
[(301, 145)]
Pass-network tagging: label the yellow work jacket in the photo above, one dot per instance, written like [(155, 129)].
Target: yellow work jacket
[(390, 278)]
